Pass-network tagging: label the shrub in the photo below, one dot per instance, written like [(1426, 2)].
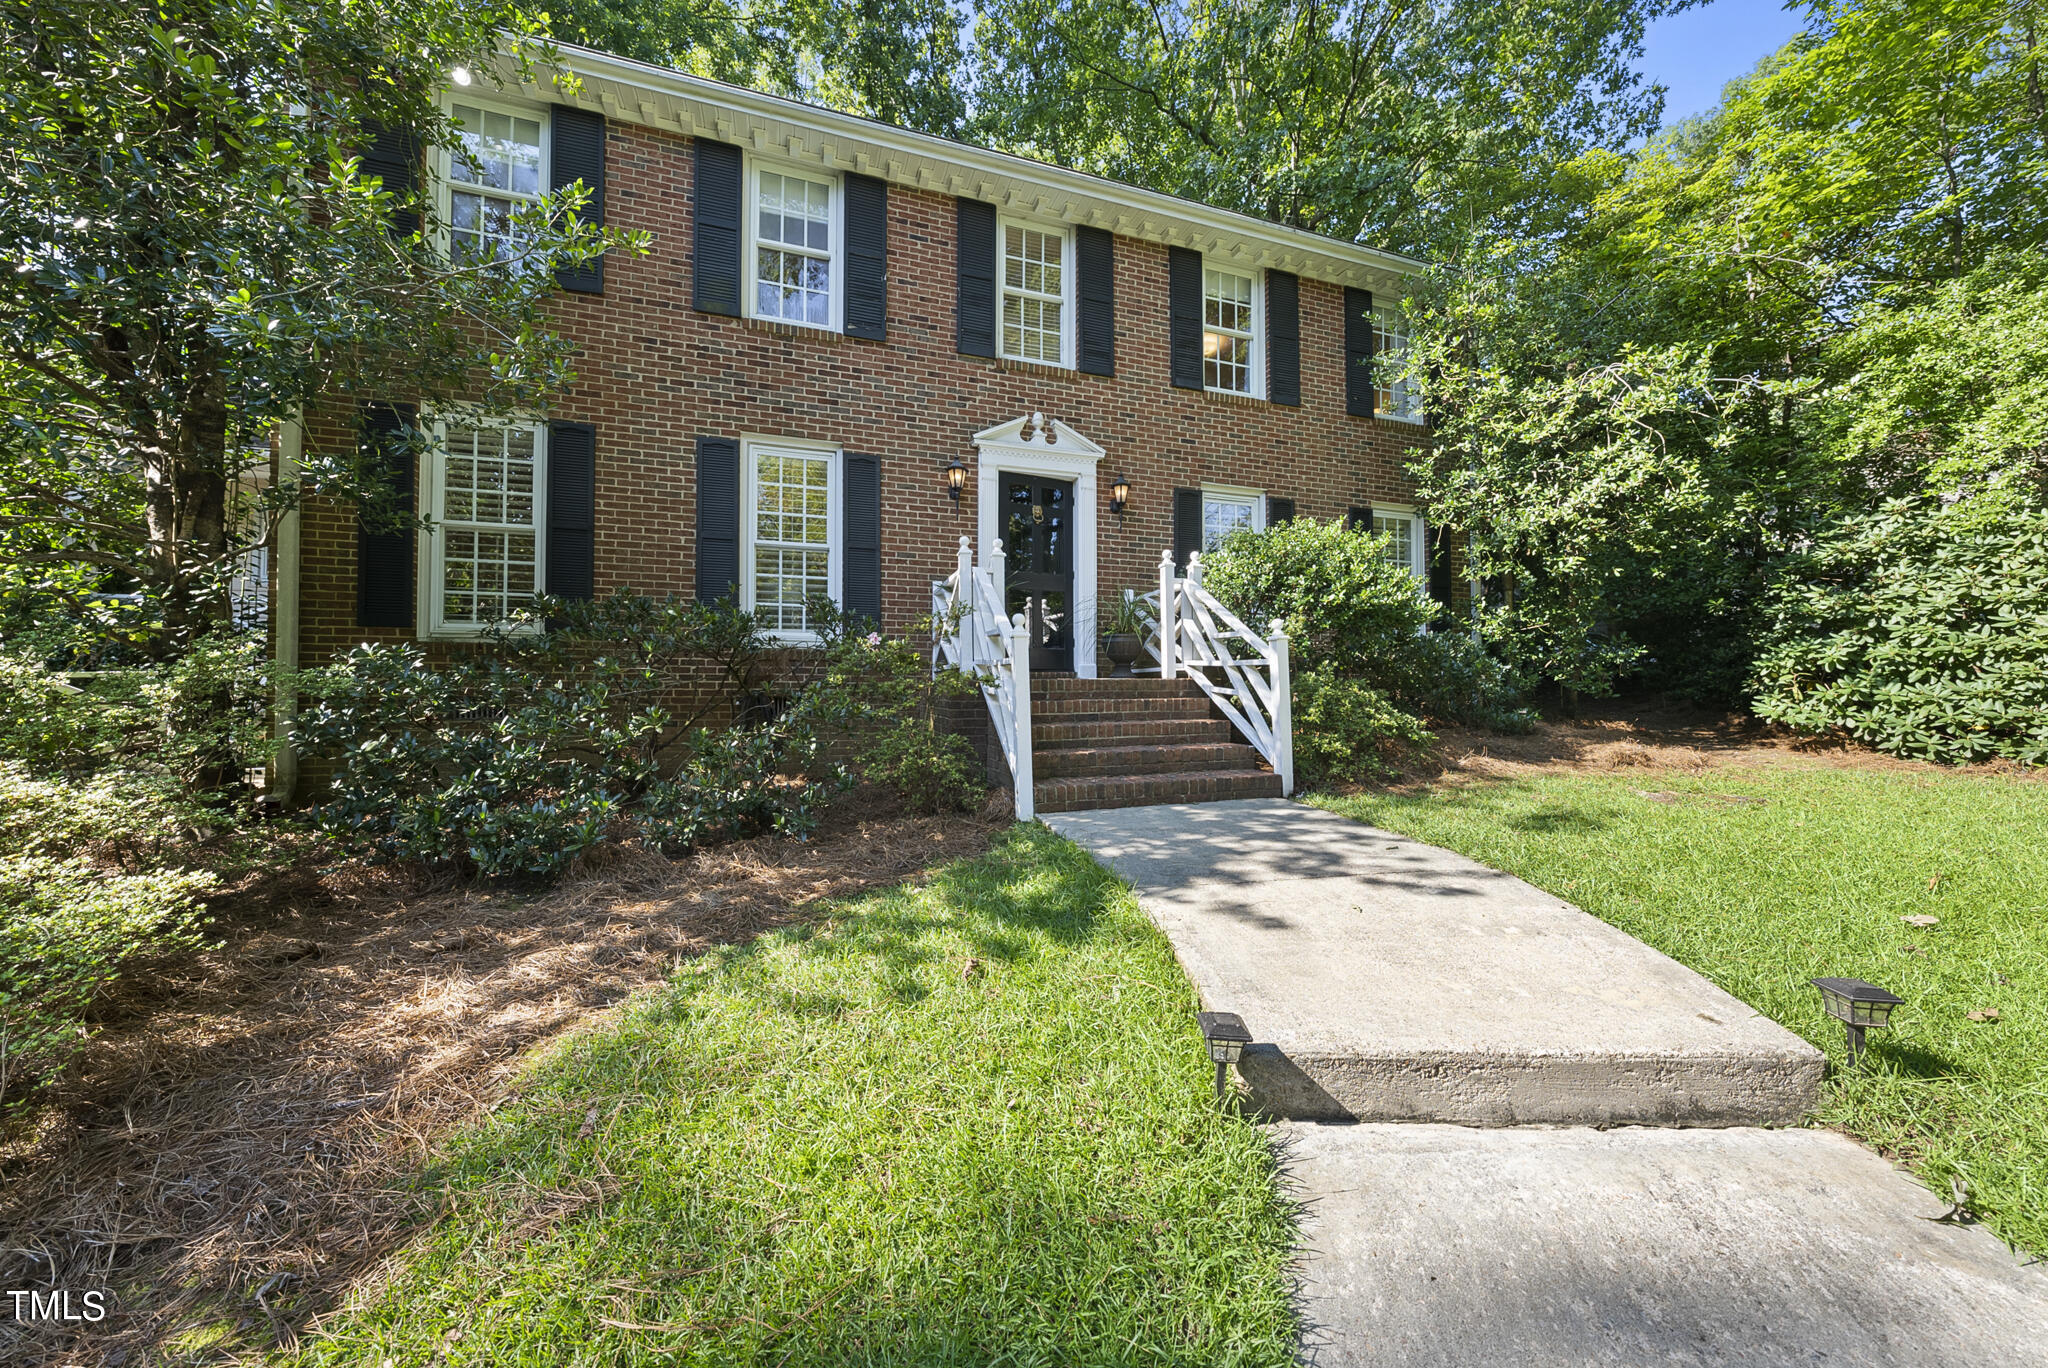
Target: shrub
[(1919, 630), (1345, 730), (1351, 613)]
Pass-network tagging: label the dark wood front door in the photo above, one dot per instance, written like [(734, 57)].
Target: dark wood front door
[(1038, 549)]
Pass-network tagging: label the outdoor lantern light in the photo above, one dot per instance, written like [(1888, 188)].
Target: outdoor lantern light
[(1857, 1005), (460, 75), (956, 479), (1120, 497), (1227, 1037)]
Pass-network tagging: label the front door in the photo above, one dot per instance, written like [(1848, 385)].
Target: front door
[(1038, 550)]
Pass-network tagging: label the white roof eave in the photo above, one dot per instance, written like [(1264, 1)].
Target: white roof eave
[(629, 91)]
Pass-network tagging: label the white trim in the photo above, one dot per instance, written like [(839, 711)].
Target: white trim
[(639, 92), (433, 492), (835, 556), (751, 168), (1256, 366), (441, 162), (1069, 324), (1003, 450)]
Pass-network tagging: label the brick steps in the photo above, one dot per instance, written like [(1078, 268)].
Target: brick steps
[(1106, 743)]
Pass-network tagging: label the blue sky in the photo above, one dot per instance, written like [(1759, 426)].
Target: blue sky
[(1696, 53)]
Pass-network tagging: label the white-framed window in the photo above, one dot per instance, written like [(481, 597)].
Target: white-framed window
[(1403, 531), (790, 532), (498, 166), (1033, 294), (794, 236), (1226, 510), (1395, 395), (486, 492), (1229, 331)]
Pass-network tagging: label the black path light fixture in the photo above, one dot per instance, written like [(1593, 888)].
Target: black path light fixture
[(1226, 1037), (1858, 1006), (956, 480), (1120, 497)]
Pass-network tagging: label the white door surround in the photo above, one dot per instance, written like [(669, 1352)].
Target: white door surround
[(1034, 445)]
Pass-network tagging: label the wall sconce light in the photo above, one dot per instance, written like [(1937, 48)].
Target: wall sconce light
[(1857, 1005), (1226, 1037), (1120, 497), (956, 480)]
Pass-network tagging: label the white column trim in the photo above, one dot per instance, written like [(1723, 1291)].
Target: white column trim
[(1004, 449)]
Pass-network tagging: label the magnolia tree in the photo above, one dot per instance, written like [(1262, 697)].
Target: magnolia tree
[(194, 250)]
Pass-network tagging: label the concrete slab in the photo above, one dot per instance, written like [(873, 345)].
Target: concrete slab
[(1446, 1245), (1386, 980)]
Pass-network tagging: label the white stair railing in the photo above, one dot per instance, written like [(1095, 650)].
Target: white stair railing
[(1193, 634), (971, 634)]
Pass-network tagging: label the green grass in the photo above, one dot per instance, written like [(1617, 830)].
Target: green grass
[(1813, 881), (837, 1146)]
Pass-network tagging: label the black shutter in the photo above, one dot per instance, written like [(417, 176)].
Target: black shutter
[(386, 556), (860, 534), (1187, 525), (1283, 337), (718, 518), (395, 154), (1095, 260), (1278, 511), (572, 510), (1437, 567), (975, 313), (867, 257), (1358, 519), (715, 246), (1184, 315), (577, 154), (1358, 377)]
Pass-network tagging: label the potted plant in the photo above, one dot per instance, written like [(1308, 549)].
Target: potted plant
[(1123, 626)]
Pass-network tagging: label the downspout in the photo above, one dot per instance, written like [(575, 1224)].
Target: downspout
[(284, 615)]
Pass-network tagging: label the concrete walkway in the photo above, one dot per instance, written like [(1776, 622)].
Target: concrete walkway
[(1387, 980)]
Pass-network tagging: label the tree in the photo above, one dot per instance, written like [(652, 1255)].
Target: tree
[(195, 249)]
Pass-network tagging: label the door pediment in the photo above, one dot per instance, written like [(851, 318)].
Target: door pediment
[(1035, 435)]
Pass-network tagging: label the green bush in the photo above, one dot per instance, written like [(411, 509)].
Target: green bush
[(1353, 614), (1347, 731), (69, 924), (520, 757), (1920, 630)]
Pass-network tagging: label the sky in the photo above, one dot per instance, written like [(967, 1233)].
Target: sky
[(1697, 52)]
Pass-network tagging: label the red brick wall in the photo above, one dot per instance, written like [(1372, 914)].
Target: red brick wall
[(654, 375)]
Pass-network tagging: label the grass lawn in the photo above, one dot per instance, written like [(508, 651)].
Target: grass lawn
[(1761, 879), (967, 1120)]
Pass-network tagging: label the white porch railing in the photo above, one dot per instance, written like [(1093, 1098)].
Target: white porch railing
[(1194, 634), (970, 632)]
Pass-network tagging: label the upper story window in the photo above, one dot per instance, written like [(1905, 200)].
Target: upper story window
[(1034, 294), (790, 542), (1395, 394), (496, 168), (1228, 331), (793, 249), (484, 496)]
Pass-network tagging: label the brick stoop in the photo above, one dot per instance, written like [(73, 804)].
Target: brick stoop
[(1109, 743)]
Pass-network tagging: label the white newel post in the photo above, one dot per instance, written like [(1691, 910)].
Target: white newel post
[(1020, 677), (1283, 708), (1169, 629), (962, 627)]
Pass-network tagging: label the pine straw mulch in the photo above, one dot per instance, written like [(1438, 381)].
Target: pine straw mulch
[(238, 1144)]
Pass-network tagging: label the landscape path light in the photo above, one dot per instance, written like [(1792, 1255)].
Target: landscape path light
[(1858, 1006), (1226, 1037)]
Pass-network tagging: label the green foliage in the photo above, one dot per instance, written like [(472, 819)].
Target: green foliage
[(192, 253), (1346, 731), (519, 758), (877, 697), (1919, 630), (1354, 613)]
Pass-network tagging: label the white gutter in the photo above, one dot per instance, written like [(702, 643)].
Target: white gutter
[(630, 91)]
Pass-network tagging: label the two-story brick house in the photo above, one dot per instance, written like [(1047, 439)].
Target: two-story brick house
[(824, 374)]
